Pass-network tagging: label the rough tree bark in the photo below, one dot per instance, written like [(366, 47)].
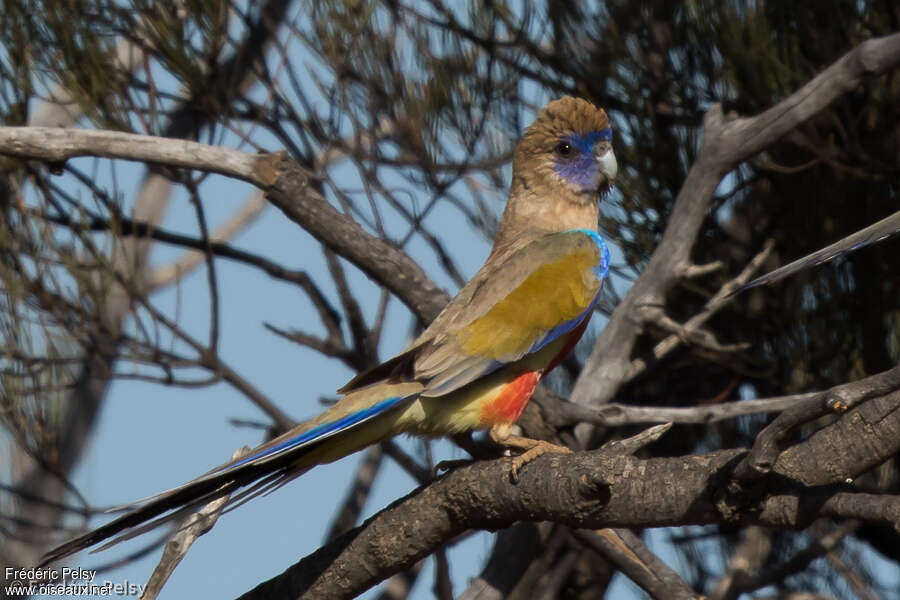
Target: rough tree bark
[(792, 485)]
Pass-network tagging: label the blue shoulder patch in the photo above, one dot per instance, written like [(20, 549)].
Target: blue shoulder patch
[(602, 269)]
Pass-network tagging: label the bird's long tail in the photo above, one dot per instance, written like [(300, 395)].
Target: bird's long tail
[(356, 421)]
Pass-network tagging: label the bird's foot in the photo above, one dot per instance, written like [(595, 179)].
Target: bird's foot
[(530, 448), (540, 447)]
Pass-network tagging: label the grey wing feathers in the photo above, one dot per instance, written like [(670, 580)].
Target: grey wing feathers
[(440, 361)]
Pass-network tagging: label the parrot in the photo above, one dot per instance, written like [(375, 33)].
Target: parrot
[(477, 364)]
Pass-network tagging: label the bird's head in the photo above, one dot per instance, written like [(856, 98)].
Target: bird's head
[(562, 166), (569, 146)]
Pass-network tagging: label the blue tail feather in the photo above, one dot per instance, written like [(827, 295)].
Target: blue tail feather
[(268, 468), (316, 434)]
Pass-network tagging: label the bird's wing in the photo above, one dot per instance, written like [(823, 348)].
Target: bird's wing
[(512, 308), (876, 232)]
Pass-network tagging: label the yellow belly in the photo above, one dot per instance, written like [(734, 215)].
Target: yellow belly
[(469, 407)]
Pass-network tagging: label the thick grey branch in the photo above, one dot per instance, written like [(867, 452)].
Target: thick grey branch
[(286, 183), (725, 144), (57, 145), (586, 490), (601, 489)]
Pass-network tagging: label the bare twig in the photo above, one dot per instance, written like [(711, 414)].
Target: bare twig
[(196, 524), (660, 570), (860, 587), (241, 219), (771, 441), (287, 184), (355, 500), (749, 579), (876, 232), (515, 549), (636, 442), (57, 145), (399, 586), (612, 415), (748, 557), (174, 272), (657, 579)]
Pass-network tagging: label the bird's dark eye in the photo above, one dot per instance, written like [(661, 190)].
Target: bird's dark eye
[(563, 148)]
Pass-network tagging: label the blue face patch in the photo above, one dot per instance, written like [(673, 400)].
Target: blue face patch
[(585, 141), (579, 167)]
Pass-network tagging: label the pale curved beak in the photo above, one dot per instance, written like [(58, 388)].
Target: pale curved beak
[(606, 161)]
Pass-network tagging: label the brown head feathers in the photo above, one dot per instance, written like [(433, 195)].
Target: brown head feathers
[(560, 118), (557, 180), (573, 114)]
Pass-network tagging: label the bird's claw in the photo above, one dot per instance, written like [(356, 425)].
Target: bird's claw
[(540, 447)]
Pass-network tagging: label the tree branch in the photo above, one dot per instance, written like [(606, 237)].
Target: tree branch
[(196, 524), (725, 144), (601, 489), (287, 185)]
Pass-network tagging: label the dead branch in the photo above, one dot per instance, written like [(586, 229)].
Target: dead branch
[(727, 141), (197, 524)]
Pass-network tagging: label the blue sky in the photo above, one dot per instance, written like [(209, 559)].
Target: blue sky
[(150, 437)]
